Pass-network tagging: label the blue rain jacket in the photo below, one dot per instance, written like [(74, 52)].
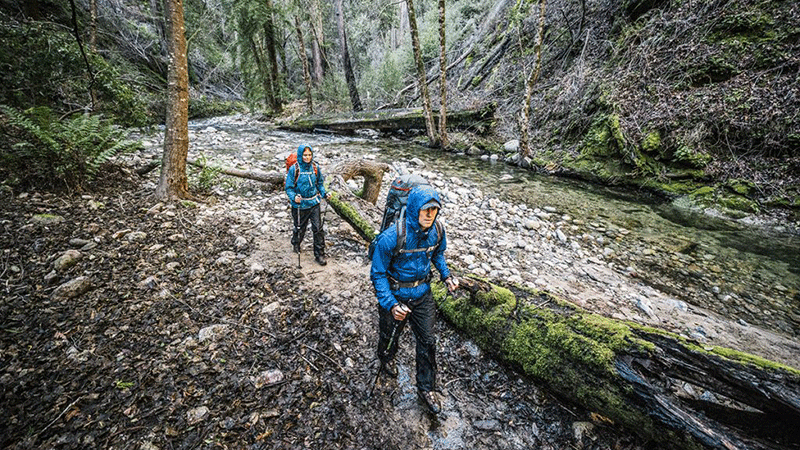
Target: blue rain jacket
[(408, 267), (309, 185)]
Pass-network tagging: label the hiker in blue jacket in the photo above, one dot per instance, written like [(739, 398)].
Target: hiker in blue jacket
[(305, 189), (402, 286)]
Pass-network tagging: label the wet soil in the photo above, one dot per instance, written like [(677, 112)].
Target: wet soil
[(199, 330)]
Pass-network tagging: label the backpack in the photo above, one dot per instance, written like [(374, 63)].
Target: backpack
[(291, 160), (394, 211), (397, 198)]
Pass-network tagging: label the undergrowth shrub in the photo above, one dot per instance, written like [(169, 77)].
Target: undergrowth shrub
[(41, 151)]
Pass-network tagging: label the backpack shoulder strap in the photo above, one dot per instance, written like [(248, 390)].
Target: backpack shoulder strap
[(401, 232), (401, 237), (297, 170)]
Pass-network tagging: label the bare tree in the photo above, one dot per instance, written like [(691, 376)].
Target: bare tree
[(442, 77), (348, 68), (301, 53), (174, 183), (525, 113), (433, 140)]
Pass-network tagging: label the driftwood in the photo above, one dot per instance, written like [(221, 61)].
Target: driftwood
[(395, 120), (371, 172), (646, 380)]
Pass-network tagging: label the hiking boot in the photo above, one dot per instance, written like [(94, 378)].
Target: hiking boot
[(431, 401), (321, 260), (390, 368), (296, 248)]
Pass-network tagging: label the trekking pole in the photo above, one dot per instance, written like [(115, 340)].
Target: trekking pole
[(395, 326), (297, 233), (324, 211)]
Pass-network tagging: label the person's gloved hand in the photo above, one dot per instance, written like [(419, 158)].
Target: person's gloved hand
[(328, 196), (297, 198), (452, 283), (399, 311)]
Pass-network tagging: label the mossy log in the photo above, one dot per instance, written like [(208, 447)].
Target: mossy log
[(478, 121), (638, 377)]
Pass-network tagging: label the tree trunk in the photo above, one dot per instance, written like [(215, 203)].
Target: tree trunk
[(635, 376), (93, 25), (275, 180), (371, 172), (173, 183), (478, 121), (306, 73), (317, 42), (433, 139), (348, 68), (442, 77), (524, 118), (276, 103), (262, 69)]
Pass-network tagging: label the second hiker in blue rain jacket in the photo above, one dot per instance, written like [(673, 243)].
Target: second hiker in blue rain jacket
[(305, 188), (401, 277)]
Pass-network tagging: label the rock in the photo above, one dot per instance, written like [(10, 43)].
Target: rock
[(72, 288), (488, 425), (46, 219), (69, 259), (212, 332), (196, 415), (267, 378)]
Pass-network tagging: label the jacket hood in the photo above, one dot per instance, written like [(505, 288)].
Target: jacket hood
[(300, 149), (419, 196)]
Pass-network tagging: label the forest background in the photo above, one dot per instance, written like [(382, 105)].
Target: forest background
[(691, 98)]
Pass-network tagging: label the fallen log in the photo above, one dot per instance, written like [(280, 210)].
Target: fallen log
[(638, 377), (274, 179), (478, 121)]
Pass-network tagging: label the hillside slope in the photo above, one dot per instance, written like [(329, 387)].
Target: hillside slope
[(685, 98)]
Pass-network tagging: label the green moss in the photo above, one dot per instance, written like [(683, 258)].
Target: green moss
[(738, 203), (740, 187), (604, 137), (694, 158), (651, 142), (351, 214), (703, 193)]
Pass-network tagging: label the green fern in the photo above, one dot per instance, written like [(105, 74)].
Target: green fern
[(50, 153)]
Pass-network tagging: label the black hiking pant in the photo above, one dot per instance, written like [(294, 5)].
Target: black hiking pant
[(300, 219), (422, 318)]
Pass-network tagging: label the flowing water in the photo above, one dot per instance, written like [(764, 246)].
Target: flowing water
[(748, 269)]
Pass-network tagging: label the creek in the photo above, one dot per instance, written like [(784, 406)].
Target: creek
[(747, 269)]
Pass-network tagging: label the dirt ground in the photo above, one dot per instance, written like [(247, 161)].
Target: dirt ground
[(197, 330)]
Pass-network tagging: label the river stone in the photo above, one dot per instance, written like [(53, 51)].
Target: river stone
[(212, 332), (72, 288), (67, 260), (196, 415)]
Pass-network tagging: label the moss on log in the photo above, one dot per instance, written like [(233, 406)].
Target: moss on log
[(629, 373)]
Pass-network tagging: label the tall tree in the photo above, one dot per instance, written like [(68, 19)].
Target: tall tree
[(525, 113), (276, 102), (301, 53), (174, 183), (433, 139), (348, 68), (442, 77), (317, 41)]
